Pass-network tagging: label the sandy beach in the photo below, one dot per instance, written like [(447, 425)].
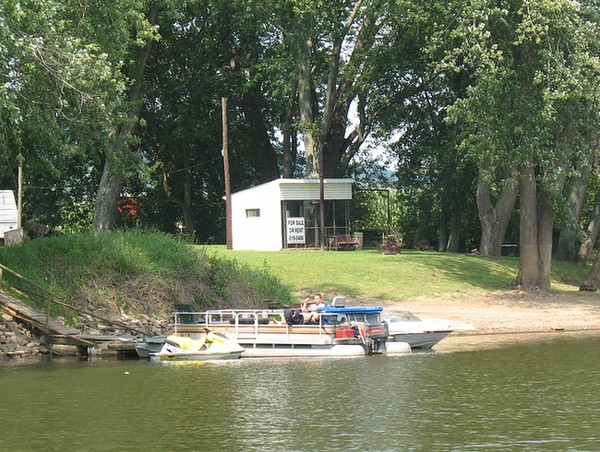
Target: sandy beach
[(499, 319), (506, 312)]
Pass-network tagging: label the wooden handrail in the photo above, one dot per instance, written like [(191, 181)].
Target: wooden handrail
[(39, 325), (55, 299)]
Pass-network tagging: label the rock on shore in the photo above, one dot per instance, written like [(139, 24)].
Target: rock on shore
[(17, 340)]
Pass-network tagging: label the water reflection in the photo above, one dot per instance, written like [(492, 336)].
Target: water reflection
[(526, 395), (457, 343)]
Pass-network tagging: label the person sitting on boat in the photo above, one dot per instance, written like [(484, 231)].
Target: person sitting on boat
[(310, 307), (308, 303)]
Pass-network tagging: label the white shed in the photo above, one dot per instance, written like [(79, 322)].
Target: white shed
[(8, 212), (284, 213)]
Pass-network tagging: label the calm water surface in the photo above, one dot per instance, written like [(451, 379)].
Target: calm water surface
[(524, 395)]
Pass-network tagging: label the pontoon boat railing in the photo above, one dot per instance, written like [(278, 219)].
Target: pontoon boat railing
[(243, 318)]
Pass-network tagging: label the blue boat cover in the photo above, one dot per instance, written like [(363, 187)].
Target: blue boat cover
[(351, 310)]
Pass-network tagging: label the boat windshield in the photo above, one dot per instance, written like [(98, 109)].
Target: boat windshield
[(401, 316)]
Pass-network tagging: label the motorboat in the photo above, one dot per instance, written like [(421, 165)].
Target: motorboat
[(210, 346), (404, 326), (336, 331)]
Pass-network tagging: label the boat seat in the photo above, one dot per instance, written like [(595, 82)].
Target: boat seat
[(339, 302), (186, 319)]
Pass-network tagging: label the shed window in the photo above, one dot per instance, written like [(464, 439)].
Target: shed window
[(252, 213)]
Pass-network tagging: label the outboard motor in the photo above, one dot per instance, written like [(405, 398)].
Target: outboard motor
[(378, 333)]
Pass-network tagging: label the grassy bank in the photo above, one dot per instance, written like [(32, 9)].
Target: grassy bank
[(138, 274), (369, 274), (145, 274)]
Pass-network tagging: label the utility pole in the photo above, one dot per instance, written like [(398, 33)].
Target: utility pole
[(322, 198), (227, 181), (20, 190)]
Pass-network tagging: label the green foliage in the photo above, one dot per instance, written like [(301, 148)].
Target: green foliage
[(461, 87), (61, 65), (182, 137), (535, 91), (244, 284), (373, 209)]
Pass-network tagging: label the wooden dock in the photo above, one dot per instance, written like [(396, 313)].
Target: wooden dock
[(63, 335), (32, 314)]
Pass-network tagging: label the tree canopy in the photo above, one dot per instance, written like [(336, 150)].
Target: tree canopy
[(489, 109)]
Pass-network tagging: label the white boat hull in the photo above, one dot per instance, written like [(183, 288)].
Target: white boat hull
[(285, 352), (149, 345), (422, 340), (404, 326)]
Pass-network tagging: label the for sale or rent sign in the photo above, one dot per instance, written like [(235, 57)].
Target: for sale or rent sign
[(295, 231)]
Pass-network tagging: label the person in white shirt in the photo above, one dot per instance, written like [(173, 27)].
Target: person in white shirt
[(310, 307)]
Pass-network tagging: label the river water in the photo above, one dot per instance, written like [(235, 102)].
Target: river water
[(469, 395)]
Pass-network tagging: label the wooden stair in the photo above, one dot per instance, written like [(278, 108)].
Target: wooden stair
[(33, 316)]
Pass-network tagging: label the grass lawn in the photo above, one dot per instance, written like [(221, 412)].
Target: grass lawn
[(370, 274)]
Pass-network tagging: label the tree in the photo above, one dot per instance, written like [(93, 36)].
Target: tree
[(410, 97), (58, 94), (591, 235), (567, 242), (225, 42), (340, 52), (530, 105), (494, 218), (592, 280), (113, 176)]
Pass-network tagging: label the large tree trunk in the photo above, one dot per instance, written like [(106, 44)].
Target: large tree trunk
[(537, 223), (109, 190), (454, 236), (567, 241), (340, 147), (593, 229), (442, 232), (185, 203), (545, 227), (420, 232), (305, 108), (590, 284), (527, 277), (113, 176), (425, 206), (327, 135), (487, 219), (494, 219)]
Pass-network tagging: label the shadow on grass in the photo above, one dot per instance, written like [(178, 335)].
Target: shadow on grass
[(496, 273), (368, 274)]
